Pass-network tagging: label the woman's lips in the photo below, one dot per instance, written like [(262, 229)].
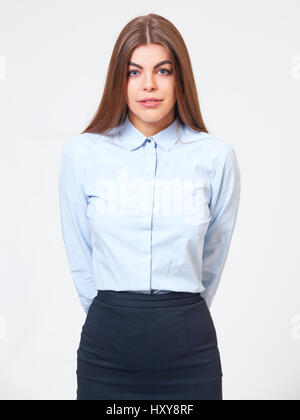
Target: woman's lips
[(150, 104)]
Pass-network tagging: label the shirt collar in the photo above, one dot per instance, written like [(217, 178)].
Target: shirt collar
[(131, 138)]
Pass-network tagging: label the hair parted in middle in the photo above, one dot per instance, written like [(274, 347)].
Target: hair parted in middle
[(144, 30)]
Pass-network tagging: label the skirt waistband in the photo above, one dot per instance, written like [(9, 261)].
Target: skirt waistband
[(121, 298)]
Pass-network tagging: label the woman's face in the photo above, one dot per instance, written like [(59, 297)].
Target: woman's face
[(149, 75)]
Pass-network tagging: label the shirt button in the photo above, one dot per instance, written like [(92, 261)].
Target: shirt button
[(149, 140)]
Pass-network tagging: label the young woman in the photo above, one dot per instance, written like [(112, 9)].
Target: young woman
[(148, 202)]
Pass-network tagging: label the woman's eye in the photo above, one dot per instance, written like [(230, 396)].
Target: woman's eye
[(132, 71), (165, 70)]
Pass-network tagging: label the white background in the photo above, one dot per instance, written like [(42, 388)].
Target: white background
[(54, 57)]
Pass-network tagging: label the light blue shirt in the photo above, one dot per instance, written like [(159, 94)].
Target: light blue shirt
[(148, 214)]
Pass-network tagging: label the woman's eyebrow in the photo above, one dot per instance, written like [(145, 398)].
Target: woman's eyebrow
[(157, 65)]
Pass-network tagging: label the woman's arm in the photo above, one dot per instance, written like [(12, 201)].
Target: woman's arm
[(226, 188), (74, 222)]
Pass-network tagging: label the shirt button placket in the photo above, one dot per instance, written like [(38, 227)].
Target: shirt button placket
[(146, 221)]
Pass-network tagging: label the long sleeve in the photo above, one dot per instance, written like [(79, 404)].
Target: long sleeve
[(224, 204), (74, 222)]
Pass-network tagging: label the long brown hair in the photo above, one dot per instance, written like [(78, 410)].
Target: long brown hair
[(151, 28)]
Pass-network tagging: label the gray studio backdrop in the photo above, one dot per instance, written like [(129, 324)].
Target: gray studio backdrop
[(53, 61)]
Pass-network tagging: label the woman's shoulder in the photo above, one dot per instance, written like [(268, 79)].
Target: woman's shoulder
[(216, 146), (82, 143)]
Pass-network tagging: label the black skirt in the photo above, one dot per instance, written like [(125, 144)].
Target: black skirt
[(136, 346)]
